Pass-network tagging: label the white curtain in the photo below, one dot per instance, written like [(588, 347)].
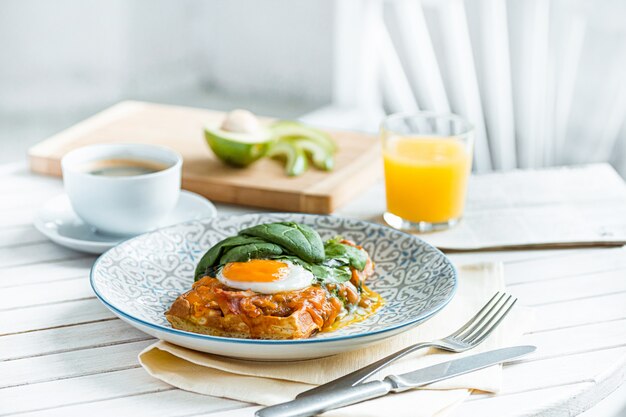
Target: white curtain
[(543, 81)]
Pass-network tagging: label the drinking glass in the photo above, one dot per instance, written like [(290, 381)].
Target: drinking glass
[(427, 159)]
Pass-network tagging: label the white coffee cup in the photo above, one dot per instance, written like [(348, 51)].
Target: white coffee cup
[(122, 205)]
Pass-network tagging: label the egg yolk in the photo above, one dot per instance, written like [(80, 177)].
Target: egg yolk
[(255, 270)]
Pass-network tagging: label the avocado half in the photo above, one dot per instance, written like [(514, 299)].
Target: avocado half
[(238, 149)]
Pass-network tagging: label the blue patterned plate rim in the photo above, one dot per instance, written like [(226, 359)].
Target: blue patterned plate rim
[(415, 320)]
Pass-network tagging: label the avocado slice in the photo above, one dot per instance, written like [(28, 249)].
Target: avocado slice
[(291, 129), (321, 157), (297, 161)]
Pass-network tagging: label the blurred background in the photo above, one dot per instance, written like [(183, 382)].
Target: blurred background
[(543, 81)]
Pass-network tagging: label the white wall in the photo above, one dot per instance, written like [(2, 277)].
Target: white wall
[(269, 48), (73, 53), (59, 53)]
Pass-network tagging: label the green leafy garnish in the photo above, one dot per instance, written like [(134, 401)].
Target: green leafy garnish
[(355, 257), (297, 243), (244, 253), (214, 254), (326, 272), (298, 239)]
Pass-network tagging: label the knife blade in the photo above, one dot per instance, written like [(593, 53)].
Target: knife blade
[(324, 401)]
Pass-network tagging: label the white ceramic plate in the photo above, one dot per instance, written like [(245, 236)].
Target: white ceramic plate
[(58, 222), (139, 279)]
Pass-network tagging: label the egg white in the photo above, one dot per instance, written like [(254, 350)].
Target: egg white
[(293, 277)]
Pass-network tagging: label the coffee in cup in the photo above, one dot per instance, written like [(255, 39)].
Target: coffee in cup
[(122, 189)]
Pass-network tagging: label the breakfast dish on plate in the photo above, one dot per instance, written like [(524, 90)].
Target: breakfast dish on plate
[(277, 281), (141, 279)]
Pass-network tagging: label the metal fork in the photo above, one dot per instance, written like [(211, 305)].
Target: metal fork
[(470, 335)]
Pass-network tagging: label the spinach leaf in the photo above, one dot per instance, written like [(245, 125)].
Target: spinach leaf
[(299, 239), (325, 273), (244, 253), (213, 255), (355, 257)]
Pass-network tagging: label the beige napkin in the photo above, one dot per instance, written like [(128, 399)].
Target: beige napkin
[(273, 382)]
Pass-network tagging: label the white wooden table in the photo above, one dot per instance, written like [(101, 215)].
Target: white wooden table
[(63, 353)]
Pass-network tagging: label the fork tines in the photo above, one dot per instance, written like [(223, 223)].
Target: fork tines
[(487, 319)]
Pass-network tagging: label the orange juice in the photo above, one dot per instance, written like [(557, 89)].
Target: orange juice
[(426, 177)]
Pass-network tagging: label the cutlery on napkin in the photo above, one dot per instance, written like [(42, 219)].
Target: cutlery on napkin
[(331, 399)]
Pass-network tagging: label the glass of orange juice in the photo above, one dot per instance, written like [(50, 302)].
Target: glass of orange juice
[(428, 158)]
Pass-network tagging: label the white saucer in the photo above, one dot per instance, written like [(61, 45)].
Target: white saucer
[(58, 221)]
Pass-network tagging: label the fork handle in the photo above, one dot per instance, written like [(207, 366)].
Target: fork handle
[(362, 374)]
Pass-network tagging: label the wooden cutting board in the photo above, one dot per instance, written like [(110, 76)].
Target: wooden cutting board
[(264, 184)]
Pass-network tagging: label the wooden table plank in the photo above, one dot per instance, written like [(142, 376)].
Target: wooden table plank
[(570, 265), (579, 339), (97, 387), (578, 312), (571, 288), (51, 316), (45, 293), (21, 235), (20, 216), (70, 364), (46, 272), (27, 200), (559, 370), (527, 403), (36, 253), (171, 403), (24, 183), (66, 339)]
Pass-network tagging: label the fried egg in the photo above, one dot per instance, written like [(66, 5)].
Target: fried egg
[(265, 276)]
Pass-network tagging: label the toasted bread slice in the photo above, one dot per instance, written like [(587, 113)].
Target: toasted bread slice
[(211, 308)]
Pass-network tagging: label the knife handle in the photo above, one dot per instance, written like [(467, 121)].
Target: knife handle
[(325, 401), (353, 378)]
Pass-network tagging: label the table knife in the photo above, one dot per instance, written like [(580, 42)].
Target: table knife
[(324, 401)]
